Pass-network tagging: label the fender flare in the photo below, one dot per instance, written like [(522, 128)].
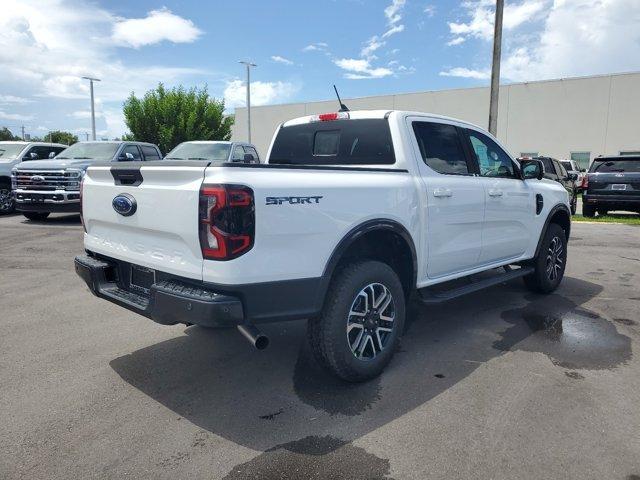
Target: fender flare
[(552, 212), (379, 224)]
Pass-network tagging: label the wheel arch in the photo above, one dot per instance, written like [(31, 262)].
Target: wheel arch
[(5, 180), (560, 215), (378, 239)]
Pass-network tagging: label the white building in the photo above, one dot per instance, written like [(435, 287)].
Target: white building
[(578, 118)]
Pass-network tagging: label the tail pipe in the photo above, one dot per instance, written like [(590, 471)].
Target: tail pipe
[(255, 337)]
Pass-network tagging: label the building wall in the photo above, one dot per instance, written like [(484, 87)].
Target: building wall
[(600, 114)]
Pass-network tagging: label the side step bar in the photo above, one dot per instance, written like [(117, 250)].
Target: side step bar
[(430, 296)]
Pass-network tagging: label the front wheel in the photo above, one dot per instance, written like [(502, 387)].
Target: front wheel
[(7, 203), (550, 263), (361, 323), (36, 215)]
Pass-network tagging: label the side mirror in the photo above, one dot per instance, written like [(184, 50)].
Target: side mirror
[(248, 158), (573, 177), (532, 169), (125, 157), (33, 156), (52, 154)]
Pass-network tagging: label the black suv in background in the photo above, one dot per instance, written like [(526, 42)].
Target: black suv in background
[(612, 183), (554, 170)]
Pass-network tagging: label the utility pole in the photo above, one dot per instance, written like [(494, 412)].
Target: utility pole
[(93, 109), (22, 128), (248, 65), (495, 69)]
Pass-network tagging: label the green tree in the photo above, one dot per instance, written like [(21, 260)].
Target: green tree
[(6, 135), (58, 136), (169, 117)]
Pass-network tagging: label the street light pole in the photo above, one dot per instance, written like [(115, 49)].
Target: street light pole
[(93, 108), (495, 69), (248, 65)]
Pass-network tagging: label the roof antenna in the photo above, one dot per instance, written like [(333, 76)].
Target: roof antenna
[(343, 107)]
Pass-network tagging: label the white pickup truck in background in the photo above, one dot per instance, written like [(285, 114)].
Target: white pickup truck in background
[(352, 213)]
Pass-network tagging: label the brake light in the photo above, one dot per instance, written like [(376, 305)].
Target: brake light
[(329, 117), (585, 182), (226, 221)]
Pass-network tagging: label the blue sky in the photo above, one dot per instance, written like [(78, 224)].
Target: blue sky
[(301, 48)]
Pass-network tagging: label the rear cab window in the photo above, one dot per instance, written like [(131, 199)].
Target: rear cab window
[(337, 142)]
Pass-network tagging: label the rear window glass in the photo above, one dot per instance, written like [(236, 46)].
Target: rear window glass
[(339, 142), (608, 165)]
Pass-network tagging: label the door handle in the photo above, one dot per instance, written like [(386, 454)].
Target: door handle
[(494, 192), (442, 192)]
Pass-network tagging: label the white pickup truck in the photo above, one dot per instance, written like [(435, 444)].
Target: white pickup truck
[(352, 213)]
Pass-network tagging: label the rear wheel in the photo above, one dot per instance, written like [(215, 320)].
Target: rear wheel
[(7, 204), (361, 323), (36, 215), (550, 263), (588, 210)]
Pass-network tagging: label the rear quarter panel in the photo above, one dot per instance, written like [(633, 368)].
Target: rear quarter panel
[(295, 241)]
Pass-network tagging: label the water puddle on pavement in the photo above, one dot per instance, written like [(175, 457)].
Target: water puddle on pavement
[(313, 457), (571, 336)]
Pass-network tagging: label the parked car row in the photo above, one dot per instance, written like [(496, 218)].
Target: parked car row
[(556, 171), (38, 179)]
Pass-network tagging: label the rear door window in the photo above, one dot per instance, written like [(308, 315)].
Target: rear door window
[(150, 153), (441, 148), (338, 142)]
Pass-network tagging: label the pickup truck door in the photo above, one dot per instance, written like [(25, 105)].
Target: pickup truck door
[(509, 201), (453, 198)]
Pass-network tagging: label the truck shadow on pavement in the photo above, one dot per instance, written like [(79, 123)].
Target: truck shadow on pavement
[(280, 398)]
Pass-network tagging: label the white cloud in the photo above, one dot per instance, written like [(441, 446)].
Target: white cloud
[(456, 41), (262, 93), (157, 26), (279, 59), (482, 14), (85, 114), (14, 116), (393, 30), (360, 68), (394, 16), (429, 10), (466, 73), (572, 38), (315, 47), (47, 45), (7, 99), (371, 46)]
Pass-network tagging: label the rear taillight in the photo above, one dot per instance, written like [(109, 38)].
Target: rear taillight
[(585, 182), (227, 221), (81, 206)]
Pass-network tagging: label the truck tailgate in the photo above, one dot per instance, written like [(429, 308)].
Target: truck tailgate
[(163, 233)]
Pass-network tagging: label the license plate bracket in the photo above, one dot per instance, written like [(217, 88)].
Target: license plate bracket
[(619, 186), (142, 278)]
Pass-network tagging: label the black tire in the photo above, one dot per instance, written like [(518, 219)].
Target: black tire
[(588, 211), (553, 251), (574, 205), (7, 203), (603, 211), (329, 337), (36, 215)]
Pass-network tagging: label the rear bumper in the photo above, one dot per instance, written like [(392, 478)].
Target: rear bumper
[(169, 302), (613, 201)]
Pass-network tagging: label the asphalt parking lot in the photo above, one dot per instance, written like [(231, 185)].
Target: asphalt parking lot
[(501, 384)]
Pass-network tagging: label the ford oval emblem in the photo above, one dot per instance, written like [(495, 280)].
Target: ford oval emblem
[(37, 179), (124, 204)]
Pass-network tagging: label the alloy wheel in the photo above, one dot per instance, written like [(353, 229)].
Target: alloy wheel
[(6, 200), (555, 259), (370, 321)]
